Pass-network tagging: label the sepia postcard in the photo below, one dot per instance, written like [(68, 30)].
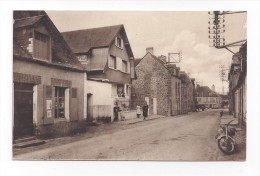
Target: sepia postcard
[(129, 85)]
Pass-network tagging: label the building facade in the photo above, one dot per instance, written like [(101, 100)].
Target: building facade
[(47, 79), (160, 85), (187, 94), (108, 60), (205, 96), (238, 85), (152, 85)]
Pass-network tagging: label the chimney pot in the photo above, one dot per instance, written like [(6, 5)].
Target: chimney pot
[(150, 50)]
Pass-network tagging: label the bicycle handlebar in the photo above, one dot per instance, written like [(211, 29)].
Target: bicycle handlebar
[(230, 122)]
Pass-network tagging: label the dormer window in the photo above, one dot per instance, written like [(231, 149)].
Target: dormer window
[(118, 42), (41, 46)]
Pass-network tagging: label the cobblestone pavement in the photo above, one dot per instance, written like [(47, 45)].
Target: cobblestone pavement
[(188, 137)]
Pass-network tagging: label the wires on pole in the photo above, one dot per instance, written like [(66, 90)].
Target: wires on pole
[(216, 29)]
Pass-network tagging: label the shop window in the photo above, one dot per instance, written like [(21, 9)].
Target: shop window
[(41, 46), (59, 102)]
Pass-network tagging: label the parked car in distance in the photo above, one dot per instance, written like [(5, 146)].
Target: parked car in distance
[(215, 106), (200, 106)]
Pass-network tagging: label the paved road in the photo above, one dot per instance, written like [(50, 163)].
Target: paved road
[(189, 137)]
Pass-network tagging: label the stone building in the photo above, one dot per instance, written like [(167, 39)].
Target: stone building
[(108, 59), (187, 94), (47, 79), (160, 85), (238, 85), (206, 96)]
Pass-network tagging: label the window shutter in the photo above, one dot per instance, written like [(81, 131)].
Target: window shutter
[(128, 67), (116, 41), (48, 105), (74, 93)]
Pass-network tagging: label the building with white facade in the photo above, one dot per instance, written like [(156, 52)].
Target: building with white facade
[(107, 57)]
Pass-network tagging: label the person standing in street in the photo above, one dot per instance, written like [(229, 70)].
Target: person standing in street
[(145, 110), (116, 111), (138, 111)]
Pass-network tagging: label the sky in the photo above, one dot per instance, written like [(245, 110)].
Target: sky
[(167, 32)]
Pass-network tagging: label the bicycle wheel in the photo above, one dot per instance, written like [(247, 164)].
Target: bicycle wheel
[(226, 145)]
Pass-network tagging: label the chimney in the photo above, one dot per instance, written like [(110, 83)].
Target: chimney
[(162, 58), (150, 50), (172, 69), (177, 71), (213, 87)]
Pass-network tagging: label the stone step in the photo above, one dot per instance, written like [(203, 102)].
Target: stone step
[(20, 140), (30, 143)]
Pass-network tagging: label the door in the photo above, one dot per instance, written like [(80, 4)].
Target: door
[(147, 101), (89, 107), (23, 110), (154, 105)]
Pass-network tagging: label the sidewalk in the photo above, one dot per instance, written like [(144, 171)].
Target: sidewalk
[(227, 118), (240, 136), (91, 131)]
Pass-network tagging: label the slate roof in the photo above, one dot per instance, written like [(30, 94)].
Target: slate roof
[(27, 21), (137, 61), (205, 91), (81, 41), (19, 51)]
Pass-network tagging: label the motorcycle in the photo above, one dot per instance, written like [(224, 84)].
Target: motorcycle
[(226, 142)]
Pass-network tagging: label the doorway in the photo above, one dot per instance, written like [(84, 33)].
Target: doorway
[(23, 110), (155, 106), (147, 101), (89, 107)]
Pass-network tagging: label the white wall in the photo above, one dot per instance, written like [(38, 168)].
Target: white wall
[(101, 92), (102, 101)]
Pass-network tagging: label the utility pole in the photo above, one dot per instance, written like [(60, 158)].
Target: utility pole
[(223, 75), (217, 29)]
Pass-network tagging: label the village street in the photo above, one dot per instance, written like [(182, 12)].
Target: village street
[(186, 137)]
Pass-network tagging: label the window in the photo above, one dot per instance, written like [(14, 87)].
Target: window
[(83, 59), (41, 47), (120, 90), (59, 102), (118, 42), (124, 66), (112, 62)]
